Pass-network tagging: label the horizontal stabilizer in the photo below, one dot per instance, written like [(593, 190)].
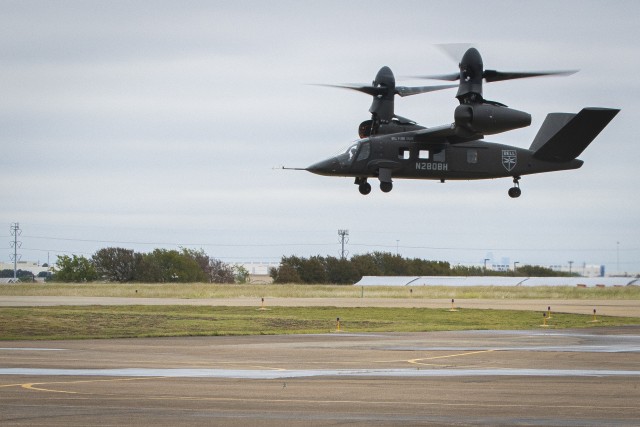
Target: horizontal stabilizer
[(563, 136)]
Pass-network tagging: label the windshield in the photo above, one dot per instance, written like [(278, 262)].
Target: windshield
[(349, 155)]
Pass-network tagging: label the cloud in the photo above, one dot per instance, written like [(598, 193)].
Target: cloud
[(161, 122)]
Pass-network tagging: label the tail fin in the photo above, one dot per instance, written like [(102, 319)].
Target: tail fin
[(564, 136)]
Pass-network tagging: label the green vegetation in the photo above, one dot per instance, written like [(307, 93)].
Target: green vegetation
[(319, 269), (73, 322), (159, 266), (188, 265), (22, 275), (211, 290)]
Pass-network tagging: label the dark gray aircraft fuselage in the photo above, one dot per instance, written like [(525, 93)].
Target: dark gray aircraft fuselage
[(450, 152), (462, 161)]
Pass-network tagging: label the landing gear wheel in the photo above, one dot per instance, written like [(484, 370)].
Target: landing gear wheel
[(364, 188), (515, 191), (386, 186)]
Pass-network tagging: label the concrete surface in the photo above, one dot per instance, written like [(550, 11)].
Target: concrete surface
[(568, 378)]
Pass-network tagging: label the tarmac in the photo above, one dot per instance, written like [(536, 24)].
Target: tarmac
[(588, 377)]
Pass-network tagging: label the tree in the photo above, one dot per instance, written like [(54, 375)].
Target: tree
[(220, 272), (422, 267), (538, 271), (313, 270), (200, 258), (389, 264), (285, 273), (116, 264), (74, 269), (341, 271), (241, 274), (365, 265), (164, 265)]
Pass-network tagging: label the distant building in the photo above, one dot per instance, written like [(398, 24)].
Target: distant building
[(584, 270), (258, 268), (34, 267)]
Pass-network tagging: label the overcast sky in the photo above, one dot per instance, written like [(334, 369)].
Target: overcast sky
[(159, 124)]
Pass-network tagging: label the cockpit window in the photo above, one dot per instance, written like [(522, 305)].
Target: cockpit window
[(365, 151), (348, 156)]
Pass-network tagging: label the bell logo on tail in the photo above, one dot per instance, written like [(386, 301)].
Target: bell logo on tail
[(509, 159)]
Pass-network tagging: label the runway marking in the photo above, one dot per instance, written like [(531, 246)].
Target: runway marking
[(31, 386), (418, 361), (119, 396)]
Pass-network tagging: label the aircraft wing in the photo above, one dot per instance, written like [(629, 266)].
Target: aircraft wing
[(446, 133)]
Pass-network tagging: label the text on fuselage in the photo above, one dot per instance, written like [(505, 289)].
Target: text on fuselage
[(432, 166)]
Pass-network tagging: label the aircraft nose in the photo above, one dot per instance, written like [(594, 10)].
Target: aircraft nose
[(325, 167)]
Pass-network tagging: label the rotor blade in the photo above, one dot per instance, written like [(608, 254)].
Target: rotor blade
[(497, 76), (448, 77), (381, 90), (454, 50), (369, 90), (408, 91)]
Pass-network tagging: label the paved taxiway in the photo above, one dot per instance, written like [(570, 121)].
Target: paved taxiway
[(569, 377)]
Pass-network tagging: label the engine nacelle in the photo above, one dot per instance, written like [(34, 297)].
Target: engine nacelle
[(367, 128), (488, 119)]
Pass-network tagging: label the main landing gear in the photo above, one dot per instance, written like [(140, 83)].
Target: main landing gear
[(386, 186), (515, 190)]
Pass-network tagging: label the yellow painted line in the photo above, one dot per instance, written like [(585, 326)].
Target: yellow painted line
[(11, 385), (31, 386), (418, 361)]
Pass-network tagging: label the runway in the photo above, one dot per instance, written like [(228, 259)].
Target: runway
[(570, 378)]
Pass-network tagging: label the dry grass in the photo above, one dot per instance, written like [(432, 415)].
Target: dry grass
[(205, 290), (73, 322)]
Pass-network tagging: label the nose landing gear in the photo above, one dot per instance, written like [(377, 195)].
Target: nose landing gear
[(363, 186), (515, 191)]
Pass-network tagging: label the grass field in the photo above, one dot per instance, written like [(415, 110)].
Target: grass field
[(204, 290), (75, 322), (81, 322)]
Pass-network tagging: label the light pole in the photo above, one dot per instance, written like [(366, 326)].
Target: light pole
[(515, 265), (485, 266)]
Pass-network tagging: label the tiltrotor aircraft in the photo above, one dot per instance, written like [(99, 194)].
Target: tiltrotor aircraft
[(395, 147)]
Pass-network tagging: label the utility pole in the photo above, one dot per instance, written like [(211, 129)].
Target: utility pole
[(343, 236), (15, 232), (570, 264)]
